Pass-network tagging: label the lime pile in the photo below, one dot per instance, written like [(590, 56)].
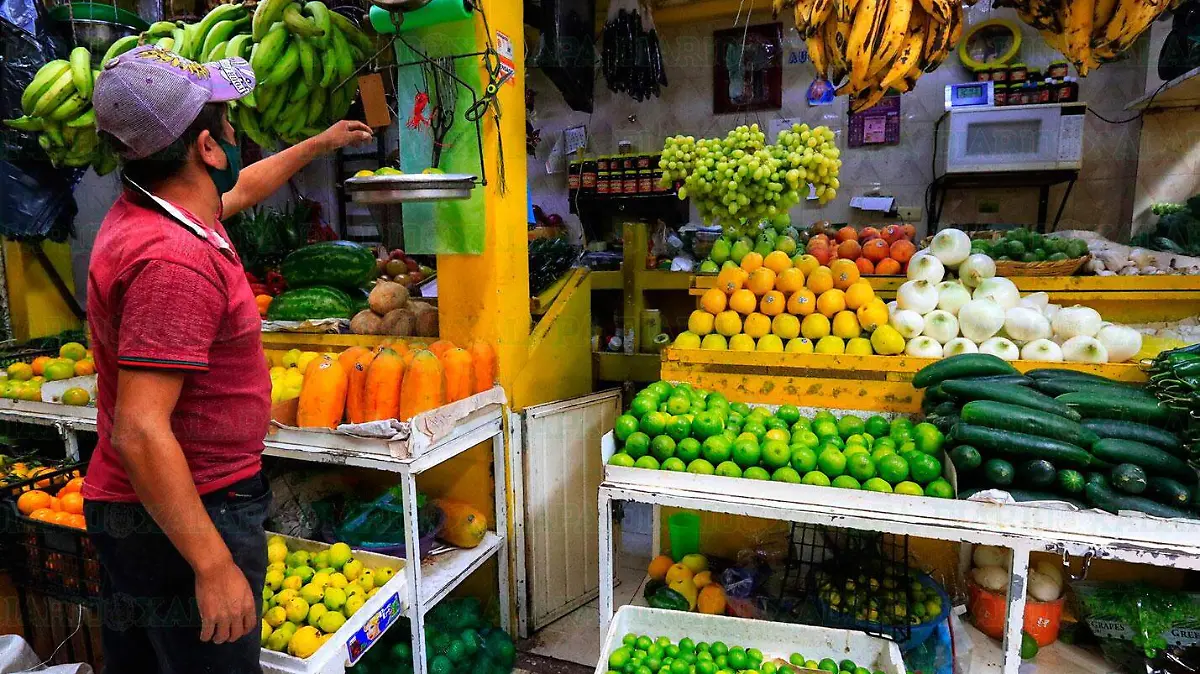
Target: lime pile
[(680, 428), (880, 596), (640, 653), (458, 639)]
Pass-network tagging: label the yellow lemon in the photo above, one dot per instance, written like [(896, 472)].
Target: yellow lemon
[(713, 301), (714, 342), (785, 326), (687, 340), (728, 323), (742, 342), (305, 358), (859, 346), (305, 642), (887, 341), (798, 345), (814, 326), (291, 358), (845, 325), (859, 294), (873, 314), (770, 344), (831, 301), (830, 344), (743, 301), (701, 322), (757, 325)]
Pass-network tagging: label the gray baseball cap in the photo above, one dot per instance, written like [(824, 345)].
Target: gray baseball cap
[(148, 97)]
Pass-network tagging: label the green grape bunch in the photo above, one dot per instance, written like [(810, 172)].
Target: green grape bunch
[(740, 178)]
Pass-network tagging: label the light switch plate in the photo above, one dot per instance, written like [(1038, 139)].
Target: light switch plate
[(909, 213)]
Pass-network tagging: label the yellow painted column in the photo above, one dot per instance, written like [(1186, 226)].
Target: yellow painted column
[(36, 308)]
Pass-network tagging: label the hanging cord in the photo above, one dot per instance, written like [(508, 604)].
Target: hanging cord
[(78, 625), (1136, 117)]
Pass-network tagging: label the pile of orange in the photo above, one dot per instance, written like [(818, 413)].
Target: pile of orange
[(64, 508)]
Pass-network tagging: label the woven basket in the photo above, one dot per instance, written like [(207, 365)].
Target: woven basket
[(1048, 268)]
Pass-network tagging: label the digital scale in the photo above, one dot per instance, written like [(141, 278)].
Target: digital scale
[(970, 95)]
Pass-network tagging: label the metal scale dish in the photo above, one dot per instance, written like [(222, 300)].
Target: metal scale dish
[(410, 187)]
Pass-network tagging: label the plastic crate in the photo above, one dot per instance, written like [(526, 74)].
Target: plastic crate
[(50, 482), (24, 354), (52, 559)]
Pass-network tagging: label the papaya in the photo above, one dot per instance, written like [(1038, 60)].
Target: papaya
[(356, 396), (424, 387), (441, 346), (347, 358), (465, 525), (458, 371), (382, 392), (483, 361), (323, 395)]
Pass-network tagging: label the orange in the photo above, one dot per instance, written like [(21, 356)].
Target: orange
[(40, 363), (72, 503), (845, 325), (713, 301), (859, 294), (42, 515), (789, 280), (74, 486), (830, 302), (820, 280), (77, 522), (731, 279), (33, 500), (55, 504), (743, 302), (72, 351), (757, 325), (84, 368), (751, 262), (777, 261), (802, 302), (61, 518), (773, 303), (845, 273), (659, 567), (807, 264), (873, 314), (761, 280), (814, 327)]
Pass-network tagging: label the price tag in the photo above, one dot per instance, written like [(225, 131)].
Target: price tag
[(504, 50), (362, 640)]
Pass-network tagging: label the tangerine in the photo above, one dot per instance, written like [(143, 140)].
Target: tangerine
[(845, 273), (875, 250), (30, 501), (77, 522), (859, 294), (42, 515), (61, 518), (713, 301), (849, 250), (72, 503), (74, 486), (802, 302), (84, 368), (902, 251), (757, 325), (761, 280), (743, 302), (892, 233), (820, 280), (773, 303), (39, 365), (847, 233), (873, 314)]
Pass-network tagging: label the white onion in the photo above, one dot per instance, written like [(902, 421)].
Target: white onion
[(1084, 349), (959, 346), (991, 555), (1121, 342), (1000, 290), (1043, 350), (926, 268), (979, 319), (951, 246), (991, 578), (1076, 321), (923, 347), (1000, 348), (1035, 301), (976, 269), (1042, 587), (908, 323), (1050, 311), (940, 325), (892, 307), (918, 296), (1024, 324), (952, 295), (1053, 570)]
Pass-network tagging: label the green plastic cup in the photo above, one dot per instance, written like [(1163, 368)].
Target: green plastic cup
[(684, 531)]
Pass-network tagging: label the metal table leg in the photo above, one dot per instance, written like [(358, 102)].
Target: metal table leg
[(1015, 620), (607, 577), (412, 568)]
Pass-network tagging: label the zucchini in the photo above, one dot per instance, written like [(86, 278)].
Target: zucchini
[(1096, 405), (1154, 460), (965, 458), (1132, 430), (1057, 387), (1013, 395), (1101, 496), (1129, 478), (1006, 417), (1070, 481), (998, 472), (1038, 473), (1168, 491), (958, 367), (1023, 445)]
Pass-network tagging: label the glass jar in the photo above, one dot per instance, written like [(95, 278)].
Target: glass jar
[(983, 75), (603, 184), (999, 74), (1066, 91), (602, 163), (587, 184), (574, 179), (1043, 90), (1017, 73), (643, 162), (630, 182), (1000, 95), (645, 181), (1057, 69), (628, 163)]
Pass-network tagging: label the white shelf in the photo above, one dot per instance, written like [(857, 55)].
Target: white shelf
[(442, 573), (1181, 92), (48, 414)]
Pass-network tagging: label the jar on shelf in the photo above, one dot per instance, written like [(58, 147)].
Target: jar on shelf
[(1066, 91), (630, 182), (603, 184), (1000, 95), (645, 181), (602, 163), (999, 74), (1044, 89), (628, 163), (983, 75), (643, 162), (1017, 73), (1057, 69), (574, 179), (587, 184)]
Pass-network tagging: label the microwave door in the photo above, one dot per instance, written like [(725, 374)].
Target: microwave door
[(1002, 141)]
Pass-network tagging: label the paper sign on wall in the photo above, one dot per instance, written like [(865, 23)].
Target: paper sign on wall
[(504, 53)]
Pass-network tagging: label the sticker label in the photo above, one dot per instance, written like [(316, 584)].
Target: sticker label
[(504, 49), (362, 640)]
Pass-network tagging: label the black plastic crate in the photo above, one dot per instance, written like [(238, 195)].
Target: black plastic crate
[(24, 354), (50, 482), (54, 560)]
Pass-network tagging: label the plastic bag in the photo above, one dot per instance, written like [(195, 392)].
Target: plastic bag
[(567, 55), (1143, 628)]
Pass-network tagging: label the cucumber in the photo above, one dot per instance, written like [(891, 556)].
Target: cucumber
[(1070, 481), (1013, 395), (1101, 496), (1095, 405), (998, 472), (1004, 416), (1057, 387), (1037, 473), (965, 458), (1023, 445), (1017, 379), (944, 423), (943, 409), (1132, 430), (1168, 491), (958, 367), (1156, 461), (1129, 478), (1043, 373)]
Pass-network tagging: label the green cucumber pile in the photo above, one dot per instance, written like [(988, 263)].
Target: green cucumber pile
[(641, 653), (1175, 380), (1054, 434)]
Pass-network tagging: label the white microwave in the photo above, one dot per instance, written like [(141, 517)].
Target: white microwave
[(1044, 137)]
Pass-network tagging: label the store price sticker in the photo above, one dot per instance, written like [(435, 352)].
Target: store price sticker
[(504, 53), (366, 636)]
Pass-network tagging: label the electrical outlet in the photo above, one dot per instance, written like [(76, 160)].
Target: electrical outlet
[(909, 213)]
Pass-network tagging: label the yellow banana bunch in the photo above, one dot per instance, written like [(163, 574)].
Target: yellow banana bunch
[(1089, 32)]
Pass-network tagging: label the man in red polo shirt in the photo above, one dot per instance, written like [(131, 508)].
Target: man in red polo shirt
[(175, 501)]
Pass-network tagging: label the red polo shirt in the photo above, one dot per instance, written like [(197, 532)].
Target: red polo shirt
[(167, 295)]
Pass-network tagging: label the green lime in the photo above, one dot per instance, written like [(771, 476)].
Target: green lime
[(620, 657), (816, 478), (637, 444), (701, 467), (877, 426), (629, 639), (731, 434), (786, 474), (852, 450), (788, 413), (860, 465), (847, 665), (674, 464), (806, 438), (654, 423), (703, 646), (907, 447), (688, 449), (901, 435), (892, 468), (741, 408), (679, 404), (643, 642), (746, 453), (1029, 647), (850, 425), (846, 482), (857, 439), (679, 428), (622, 460), (768, 668), (828, 665), (777, 434), (810, 664), (878, 484), (662, 447), (755, 428), (648, 462), (939, 488), (737, 658), (719, 647), (928, 438), (803, 459), (714, 398), (924, 468), (698, 404), (797, 659), (706, 667), (717, 449), (831, 462), (660, 388), (775, 454), (883, 442), (878, 454), (687, 645), (626, 425), (861, 670), (680, 666), (801, 424), (729, 469), (833, 441), (824, 415), (755, 656), (733, 418), (825, 429), (756, 473), (441, 665), (706, 425), (775, 424), (909, 488), (900, 422)]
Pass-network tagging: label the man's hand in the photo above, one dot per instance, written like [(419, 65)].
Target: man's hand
[(226, 604), (343, 133)]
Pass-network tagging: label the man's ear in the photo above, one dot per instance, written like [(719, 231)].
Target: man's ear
[(210, 151)]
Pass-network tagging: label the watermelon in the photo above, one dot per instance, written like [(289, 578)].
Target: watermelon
[(342, 264), (310, 303)]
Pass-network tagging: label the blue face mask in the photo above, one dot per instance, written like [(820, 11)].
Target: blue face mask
[(227, 177)]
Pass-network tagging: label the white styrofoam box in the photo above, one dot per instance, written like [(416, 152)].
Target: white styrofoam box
[(360, 631), (52, 391), (775, 640)]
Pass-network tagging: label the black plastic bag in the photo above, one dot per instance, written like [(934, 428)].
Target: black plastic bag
[(567, 54)]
